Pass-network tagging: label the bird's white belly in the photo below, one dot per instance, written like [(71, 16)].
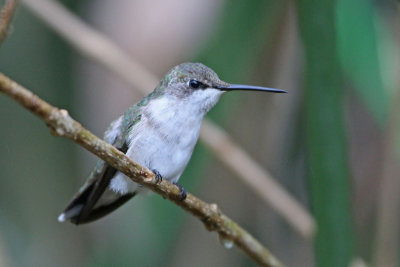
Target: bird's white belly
[(166, 148), (158, 153)]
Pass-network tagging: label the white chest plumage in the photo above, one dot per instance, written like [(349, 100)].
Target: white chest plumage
[(163, 140)]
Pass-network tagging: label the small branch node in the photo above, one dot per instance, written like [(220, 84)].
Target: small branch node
[(214, 208)]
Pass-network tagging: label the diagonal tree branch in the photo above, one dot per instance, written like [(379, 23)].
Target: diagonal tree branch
[(61, 124), (6, 15), (94, 45)]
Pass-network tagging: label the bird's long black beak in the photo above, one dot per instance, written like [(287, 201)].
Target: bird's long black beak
[(233, 87)]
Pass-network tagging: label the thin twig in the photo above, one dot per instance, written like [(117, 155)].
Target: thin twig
[(61, 124), (6, 15), (93, 44)]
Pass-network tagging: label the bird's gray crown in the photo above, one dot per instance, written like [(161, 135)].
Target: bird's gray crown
[(196, 71)]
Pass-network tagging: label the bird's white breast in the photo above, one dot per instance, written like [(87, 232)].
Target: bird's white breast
[(163, 140)]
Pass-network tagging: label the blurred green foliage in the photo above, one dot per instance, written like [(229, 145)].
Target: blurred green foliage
[(358, 52), (325, 135), (341, 44)]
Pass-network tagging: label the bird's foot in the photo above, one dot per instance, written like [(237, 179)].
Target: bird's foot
[(157, 176), (182, 192)]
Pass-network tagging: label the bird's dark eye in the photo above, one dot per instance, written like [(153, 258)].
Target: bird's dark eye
[(195, 84)]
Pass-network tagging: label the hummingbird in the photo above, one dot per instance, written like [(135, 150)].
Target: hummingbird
[(159, 132)]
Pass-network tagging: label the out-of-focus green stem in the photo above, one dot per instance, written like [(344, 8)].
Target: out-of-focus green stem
[(328, 171)]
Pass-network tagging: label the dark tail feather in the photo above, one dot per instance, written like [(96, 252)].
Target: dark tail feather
[(103, 210), (77, 214)]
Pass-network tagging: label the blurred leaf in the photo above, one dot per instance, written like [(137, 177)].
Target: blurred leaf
[(325, 135), (237, 45), (358, 51), (242, 33)]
